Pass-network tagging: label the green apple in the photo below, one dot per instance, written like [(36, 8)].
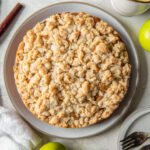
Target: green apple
[(144, 35), (53, 146)]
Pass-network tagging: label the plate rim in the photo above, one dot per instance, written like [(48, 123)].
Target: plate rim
[(15, 33), (130, 120)]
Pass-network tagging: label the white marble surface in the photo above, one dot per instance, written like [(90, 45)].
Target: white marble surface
[(108, 139)]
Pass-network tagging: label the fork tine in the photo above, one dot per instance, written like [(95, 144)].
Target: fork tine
[(128, 142), (129, 147), (129, 136), (126, 139)]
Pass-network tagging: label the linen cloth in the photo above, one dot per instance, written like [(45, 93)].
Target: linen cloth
[(15, 134)]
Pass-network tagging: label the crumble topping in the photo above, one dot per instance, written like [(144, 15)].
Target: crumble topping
[(72, 70)]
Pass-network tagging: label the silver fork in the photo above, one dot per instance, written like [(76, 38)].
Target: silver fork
[(133, 140)]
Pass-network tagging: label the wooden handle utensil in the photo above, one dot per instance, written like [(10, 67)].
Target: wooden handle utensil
[(6, 22)]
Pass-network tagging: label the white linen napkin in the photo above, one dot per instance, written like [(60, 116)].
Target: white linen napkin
[(15, 134)]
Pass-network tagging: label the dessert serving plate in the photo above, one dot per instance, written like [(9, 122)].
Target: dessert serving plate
[(138, 121), (9, 61)]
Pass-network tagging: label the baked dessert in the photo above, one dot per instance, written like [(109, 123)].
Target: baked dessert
[(72, 70)]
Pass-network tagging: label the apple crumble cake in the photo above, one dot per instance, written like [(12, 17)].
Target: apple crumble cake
[(72, 70)]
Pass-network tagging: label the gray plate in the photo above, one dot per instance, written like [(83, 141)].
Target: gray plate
[(10, 60), (137, 121)]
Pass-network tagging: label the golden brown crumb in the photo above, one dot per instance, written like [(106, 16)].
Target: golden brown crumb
[(72, 70)]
